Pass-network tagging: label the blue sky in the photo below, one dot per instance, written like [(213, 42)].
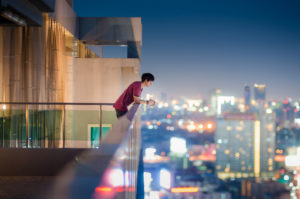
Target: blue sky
[(193, 46)]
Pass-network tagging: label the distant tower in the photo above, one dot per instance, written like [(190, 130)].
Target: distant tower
[(247, 97), (260, 92), (214, 100)]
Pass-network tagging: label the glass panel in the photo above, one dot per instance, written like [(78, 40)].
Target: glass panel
[(48, 123), (79, 120), (45, 128), (12, 126)]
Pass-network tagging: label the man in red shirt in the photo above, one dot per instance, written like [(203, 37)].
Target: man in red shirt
[(133, 94)]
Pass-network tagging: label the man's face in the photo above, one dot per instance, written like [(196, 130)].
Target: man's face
[(148, 83)]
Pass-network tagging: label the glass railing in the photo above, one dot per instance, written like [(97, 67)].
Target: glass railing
[(108, 173), (54, 125)]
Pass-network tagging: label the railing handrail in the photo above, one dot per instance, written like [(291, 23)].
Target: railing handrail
[(80, 178), (57, 103)]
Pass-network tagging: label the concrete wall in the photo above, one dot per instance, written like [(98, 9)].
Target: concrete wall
[(103, 79)]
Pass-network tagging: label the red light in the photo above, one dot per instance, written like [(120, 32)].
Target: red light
[(103, 189), (169, 116), (295, 110), (279, 158), (284, 110), (285, 102), (120, 189)]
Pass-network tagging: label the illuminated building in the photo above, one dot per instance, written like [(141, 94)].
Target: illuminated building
[(268, 137), (221, 103), (247, 97), (244, 146), (259, 92), (213, 100)]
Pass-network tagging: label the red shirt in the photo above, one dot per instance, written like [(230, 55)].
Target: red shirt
[(134, 89)]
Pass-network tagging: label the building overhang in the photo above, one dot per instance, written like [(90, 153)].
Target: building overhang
[(24, 13), (110, 30)]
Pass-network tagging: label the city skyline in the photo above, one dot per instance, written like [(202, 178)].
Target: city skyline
[(193, 47)]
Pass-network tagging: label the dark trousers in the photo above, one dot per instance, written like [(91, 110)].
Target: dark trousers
[(120, 113)]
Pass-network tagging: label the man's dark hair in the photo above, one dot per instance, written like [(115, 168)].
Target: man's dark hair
[(147, 76)]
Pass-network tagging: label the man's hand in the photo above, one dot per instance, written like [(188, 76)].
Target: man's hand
[(151, 102)]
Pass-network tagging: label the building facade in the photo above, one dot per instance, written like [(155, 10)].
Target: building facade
[(244, 146), (45, 57)]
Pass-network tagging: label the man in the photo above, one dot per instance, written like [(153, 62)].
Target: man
[(133, 94)]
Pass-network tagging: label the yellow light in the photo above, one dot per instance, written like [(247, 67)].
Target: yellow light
[(239, 128), (257, 148), (185, 190), (103, 189), (269, 111), (209, 126), (191, 127), (228, 128), (174, 102), (227, 169)]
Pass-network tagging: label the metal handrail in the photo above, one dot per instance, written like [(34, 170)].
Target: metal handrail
[(64, 109)]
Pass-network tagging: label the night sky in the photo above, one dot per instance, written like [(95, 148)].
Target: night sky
[(193, 46)]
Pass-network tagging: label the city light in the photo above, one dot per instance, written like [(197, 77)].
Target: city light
[(292, 160), (209, 126), (269, 111), (221, 100), (257, 148), (165, 178), (116, 177), (4, 107), (150, 153), (147, 181), (248, 125), (185, 190), (191, 127), (178, 145)]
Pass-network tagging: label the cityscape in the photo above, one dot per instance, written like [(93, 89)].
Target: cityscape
[(222, 147), (149, 99)]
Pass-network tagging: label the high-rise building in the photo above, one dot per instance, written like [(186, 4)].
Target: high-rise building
[(244, 146), (247, 97), (259, 92)]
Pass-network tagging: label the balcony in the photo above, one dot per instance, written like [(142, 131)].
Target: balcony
[(42, 149)]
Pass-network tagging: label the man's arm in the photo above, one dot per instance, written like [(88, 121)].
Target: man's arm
[(138, 100)]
